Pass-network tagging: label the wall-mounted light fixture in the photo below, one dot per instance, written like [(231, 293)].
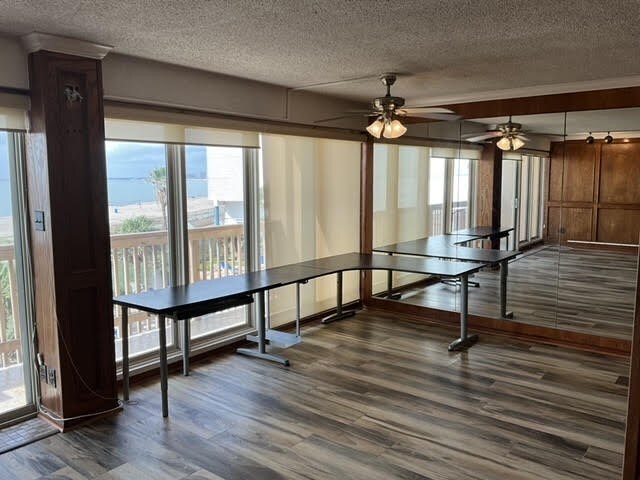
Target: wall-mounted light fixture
[(608, 138), (590, 139)]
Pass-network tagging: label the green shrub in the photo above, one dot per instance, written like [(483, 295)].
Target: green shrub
[(136, 225)]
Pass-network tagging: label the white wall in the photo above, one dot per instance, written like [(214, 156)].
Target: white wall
[(145, 81), (14, 71), (134, 79)]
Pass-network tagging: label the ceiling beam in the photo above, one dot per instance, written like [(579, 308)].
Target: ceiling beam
[(562, 102)]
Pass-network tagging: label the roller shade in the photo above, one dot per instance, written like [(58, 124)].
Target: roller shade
[(138, 131), (14, 112), (467, 153)]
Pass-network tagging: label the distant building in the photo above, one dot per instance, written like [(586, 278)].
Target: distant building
[(224, 184)]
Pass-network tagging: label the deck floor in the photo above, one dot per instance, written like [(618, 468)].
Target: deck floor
[(375, 397)]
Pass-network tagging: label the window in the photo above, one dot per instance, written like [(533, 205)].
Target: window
[(137, 191), (176, 213), (216, 226), (432, 189), (16, 382)]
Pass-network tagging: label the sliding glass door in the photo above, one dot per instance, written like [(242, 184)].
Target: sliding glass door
[(16, 383), (522, 197)]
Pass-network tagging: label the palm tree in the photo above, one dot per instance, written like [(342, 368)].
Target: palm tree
[(158, 178)]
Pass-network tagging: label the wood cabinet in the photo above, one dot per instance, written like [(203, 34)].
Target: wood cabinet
[(594, 192), (71, 253)]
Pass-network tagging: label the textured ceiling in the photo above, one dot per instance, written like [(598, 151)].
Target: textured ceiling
[(445, 49)]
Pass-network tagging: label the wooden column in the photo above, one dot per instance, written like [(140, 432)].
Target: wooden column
[(70, 235), (490, 188), (366, 213), (632, 443)]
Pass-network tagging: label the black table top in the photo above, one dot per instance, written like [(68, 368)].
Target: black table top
[(217, 293), (427, 247), (484, 232)]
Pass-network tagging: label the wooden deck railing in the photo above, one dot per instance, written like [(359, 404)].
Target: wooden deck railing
[(10, 346), (139, 261)]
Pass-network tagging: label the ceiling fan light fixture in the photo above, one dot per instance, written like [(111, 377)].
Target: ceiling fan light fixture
[(509, 142), (504, 143), (394, 129), (517, 143), (376, 127)]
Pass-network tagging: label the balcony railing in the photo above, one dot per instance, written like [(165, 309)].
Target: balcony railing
[(10, 345), (140, 261)]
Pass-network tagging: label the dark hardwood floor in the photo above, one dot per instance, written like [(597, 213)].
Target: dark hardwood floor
[(372, 397), (587, 291)]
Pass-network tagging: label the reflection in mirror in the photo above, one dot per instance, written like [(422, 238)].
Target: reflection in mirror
[(511, 193), (422, 190), (599, 222), (570, 209)]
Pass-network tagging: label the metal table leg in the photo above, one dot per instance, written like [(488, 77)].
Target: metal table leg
[(125, 353), (262, 351), (465, 341), (186, 343), (390, 294), (162, 326), (340, 314), (504, 273)]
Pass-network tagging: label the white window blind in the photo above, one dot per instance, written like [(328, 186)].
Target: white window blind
[(14, 112), (156, 132), (311, 210)]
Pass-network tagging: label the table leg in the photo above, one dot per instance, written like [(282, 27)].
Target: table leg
[(465, 341), (262, 341), (298, 309), (125, 353), (186, 344), (340, 314), (504, 273), (390, 294), (162, 327)]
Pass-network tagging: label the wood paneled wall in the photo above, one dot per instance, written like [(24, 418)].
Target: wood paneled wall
[(71, 256), (489, 196), (594, 192)]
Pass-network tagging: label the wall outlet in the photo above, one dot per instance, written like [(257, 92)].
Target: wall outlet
[(51, 373)]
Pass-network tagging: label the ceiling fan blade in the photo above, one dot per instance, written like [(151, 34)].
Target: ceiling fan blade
[(352, 115), (410, 119), (427, 110), (523, 137), (431, 116), (480, 138)]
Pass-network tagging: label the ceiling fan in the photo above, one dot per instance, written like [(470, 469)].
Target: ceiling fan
[(513, 136), (389, 109)]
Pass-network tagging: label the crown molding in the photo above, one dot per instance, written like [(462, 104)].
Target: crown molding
[(533, 91), (36, 41)]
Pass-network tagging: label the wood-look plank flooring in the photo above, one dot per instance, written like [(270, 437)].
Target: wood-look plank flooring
[(586, 291), (374, 397)]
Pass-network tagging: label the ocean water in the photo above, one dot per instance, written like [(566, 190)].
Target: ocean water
[(128, 169), (121, 191), (127, 191)]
